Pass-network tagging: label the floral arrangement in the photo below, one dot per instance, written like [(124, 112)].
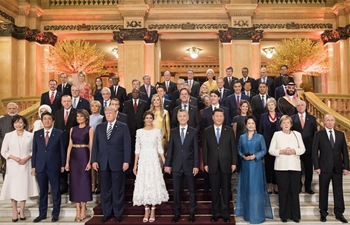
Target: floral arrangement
[(74, 56), (300, 55)]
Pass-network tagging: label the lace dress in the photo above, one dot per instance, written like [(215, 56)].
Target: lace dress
[(149, 184)]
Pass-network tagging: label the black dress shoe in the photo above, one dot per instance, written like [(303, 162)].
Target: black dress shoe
[(175, 219), (310, 191), (214, 219), (276, 192), (284, 220), (226, 219), (296, 220), (323, 219), (191, 219), (105, 219), (118, 219), (38, 219), (341, 219), (54, 219)]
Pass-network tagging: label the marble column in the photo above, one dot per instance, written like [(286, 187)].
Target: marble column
[(344, 47), (333, 79), (242, 56), (226, 60)]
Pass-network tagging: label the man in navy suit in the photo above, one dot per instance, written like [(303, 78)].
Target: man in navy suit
[(258, 102), (194, 85), (331, 161), (111, 154), (224, 92), (229, 79), (169, 86), (77, 101), (167, 104), (265, 79), (182, 160), (207, 118), (64, 88), (48, 161), (232, 101), (106, 97), (136, 85), (52, 98), (118, 91)]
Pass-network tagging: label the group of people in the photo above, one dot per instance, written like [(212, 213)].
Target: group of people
[(256, 129)]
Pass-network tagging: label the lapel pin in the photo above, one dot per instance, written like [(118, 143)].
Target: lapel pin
[(40, 135), (187, 132)]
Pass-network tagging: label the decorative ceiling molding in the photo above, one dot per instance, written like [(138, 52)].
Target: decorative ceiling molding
[(136, 34), (250, 33), (7, 16), (330, 36), (188, 26), (293, 26), (82, 27)]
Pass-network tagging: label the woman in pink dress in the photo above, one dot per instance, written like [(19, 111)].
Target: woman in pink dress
[(85, 88)]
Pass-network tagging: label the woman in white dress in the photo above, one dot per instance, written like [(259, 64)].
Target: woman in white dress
[(149, 184), (19, 184), (38, 124)]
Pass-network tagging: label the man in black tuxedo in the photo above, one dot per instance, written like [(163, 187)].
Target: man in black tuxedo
[(278, 81), (207, 118), (194, 85), (192, 100), (106, 99), (224, 92), (331, 162), (233, 101), (64, 88), (170, 86), (258, 102), (118, 91), (229, 79), (265, 79), (305, 124), (52, 98), (182, 160), (65, 119), (220, 160), (194, 120), (167, 104), (136, 84), (245, 78), (77, 101)]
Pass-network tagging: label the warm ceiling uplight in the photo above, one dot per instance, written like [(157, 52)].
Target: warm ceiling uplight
[(269, 52), (194, 52), (115, 52)]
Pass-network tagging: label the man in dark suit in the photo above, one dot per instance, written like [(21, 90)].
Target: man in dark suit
[(229, 79), (220, 160), (265, 79), (118, 91), (182, 160), (331, 162), (232, 101), (170, 86), (278, 81), (207, 118), (106, 97), (194, 120), (121, 117), (111, 154), (167, 104), (247, 89), (136, 85), (192, 100), (176, 94), (281, 90), (258, 102), (52, 98), (64, 88), (194, 85), (77, 101), (224, 92), (246, 78), (65, 119), (147, 88), (48, 161), (305, 124)]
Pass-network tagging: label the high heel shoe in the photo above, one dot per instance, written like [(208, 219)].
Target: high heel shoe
[(145, 220), (22, 218), (152, 219), (14, 220)]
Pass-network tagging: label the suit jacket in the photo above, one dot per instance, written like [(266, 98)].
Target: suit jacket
[(227, 85), (135, 121), (183, 156), (193, 120), (53, 156), (112, 152), (143, 96), (224, 95), (251, 93), (56, 105), (71, 122), (175, 96), (168, 105), (153, 90), (224, 153), (66, 91), (257, 106), (266, 129), (252, 82), (5, 127), (192, 101), (231, 104), (120, 95), (279, 92), (172, 87), (195, 88), (83, 104), (308, 133), (278, 80), (269, 84), (207, 118), (325, 157)]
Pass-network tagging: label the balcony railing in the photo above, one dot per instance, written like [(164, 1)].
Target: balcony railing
[(292, 1), (83, 2), (339, 103), (188, 2)]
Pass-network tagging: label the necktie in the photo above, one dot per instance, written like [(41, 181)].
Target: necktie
[(248, 93), (75, 103), (331, 139), (190, 83), (105, 105), (218, 135), (167, 86), (182, 135), (47, 138), (135, 106), (229, 81), (115, 90), (263, 101), (264, 79), (185, 107), (66, 117), (220, 93), (146, 87), (63, 88), (52, 97), (109, 131), (302, 122), (237, 99)]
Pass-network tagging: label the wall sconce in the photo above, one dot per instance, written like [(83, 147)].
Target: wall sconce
[(269, 52), (115, 52), (194, 52)]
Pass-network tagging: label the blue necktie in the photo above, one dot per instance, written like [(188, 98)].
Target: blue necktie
[(185, 107), (218, 135), (182, 135), (105, 105), (75, 103)]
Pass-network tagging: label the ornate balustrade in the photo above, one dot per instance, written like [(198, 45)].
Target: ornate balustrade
[(292, 2), (22, 102), (194, 2), (339, 103), (319, 108), (54, 3), (31, 114)]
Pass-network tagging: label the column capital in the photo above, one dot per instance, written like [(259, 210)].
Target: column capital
[(136, 34), (344, 32), (232, 33), (330, 36)]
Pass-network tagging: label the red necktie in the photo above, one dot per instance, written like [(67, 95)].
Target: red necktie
[(47, 138), (135, 106), (66, 117), (52, 97)]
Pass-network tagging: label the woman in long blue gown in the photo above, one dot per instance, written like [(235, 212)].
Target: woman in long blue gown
[(253, 201)]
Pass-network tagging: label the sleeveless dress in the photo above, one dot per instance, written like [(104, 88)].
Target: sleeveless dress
[(80, 180), (149, 184)]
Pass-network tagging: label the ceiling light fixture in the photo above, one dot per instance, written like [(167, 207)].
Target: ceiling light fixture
[(115, 52), (194, 52), (269, 52)]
